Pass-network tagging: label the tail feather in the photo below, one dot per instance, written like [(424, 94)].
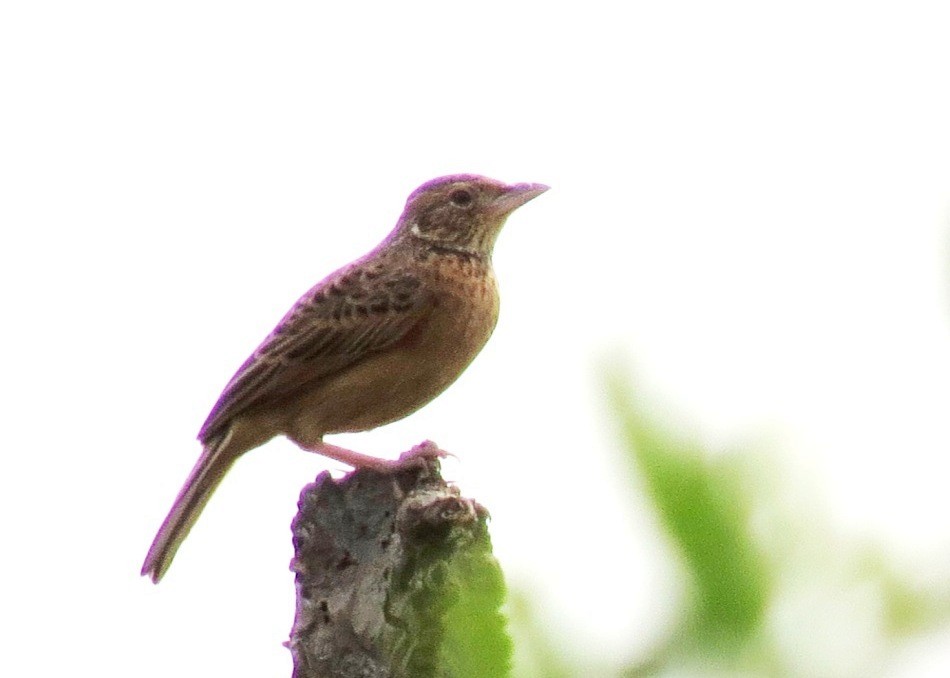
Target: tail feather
[(205, 477)]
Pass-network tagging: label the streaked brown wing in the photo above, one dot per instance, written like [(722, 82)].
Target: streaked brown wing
[(352, 314)]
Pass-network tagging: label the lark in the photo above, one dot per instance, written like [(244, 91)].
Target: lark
[(368, 345)]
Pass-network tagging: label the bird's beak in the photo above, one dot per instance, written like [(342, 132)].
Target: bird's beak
[(516, 196)]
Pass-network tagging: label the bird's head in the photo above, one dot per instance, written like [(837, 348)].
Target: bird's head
[(462, 212)]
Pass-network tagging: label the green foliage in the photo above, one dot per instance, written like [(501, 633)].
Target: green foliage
[(475, 643), (700, 503), (739, 574)]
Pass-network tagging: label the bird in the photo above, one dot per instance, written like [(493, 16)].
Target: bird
[(368, 345)]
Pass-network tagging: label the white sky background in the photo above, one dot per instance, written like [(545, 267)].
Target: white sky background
[(750, 202)]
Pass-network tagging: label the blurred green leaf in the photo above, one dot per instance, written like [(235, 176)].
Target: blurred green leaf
[(909, 607), (704, 503), (702, 506)]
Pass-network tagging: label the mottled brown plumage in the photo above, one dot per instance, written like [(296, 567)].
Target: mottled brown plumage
[(370, 344)]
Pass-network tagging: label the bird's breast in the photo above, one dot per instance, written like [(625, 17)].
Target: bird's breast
[(399, 380), (462, 318)]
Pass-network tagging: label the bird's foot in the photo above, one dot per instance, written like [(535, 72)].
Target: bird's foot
[(419, 454)]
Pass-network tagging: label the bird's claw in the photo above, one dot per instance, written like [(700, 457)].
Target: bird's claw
[(422, 452)]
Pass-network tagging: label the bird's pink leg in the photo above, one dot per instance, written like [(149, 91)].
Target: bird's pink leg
[(425, 450)]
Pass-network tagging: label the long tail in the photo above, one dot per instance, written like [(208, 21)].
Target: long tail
[(214, 462)]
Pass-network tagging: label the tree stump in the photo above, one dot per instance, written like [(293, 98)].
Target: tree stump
[(395, 578)]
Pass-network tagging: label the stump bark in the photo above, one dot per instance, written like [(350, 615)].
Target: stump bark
[(395, 578)]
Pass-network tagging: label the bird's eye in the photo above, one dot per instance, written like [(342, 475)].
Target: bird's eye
[(461, 198)]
